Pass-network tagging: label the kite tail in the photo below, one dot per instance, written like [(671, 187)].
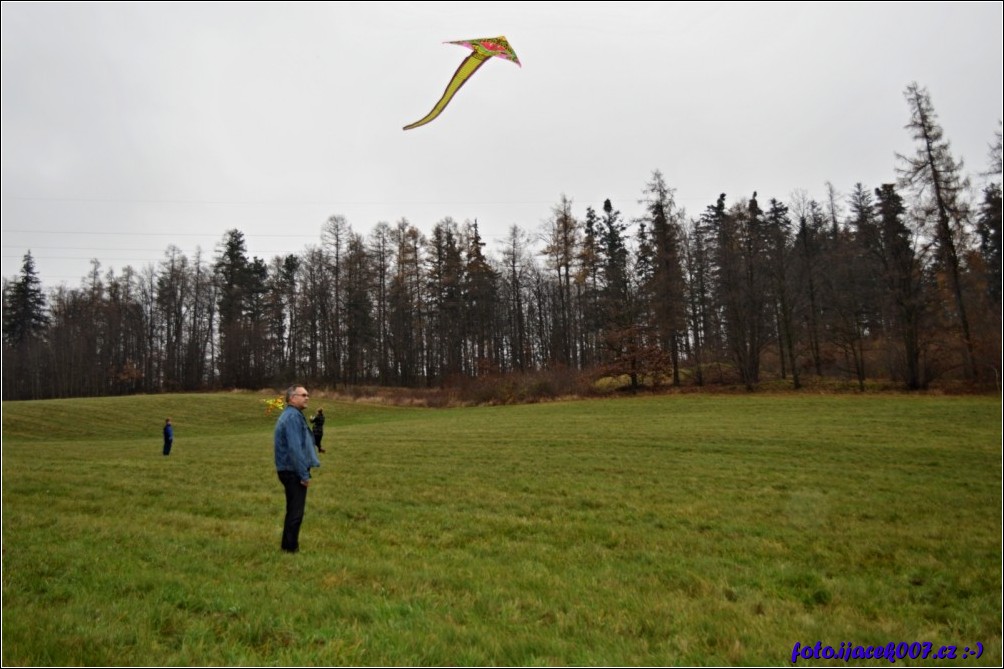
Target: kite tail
[(460, 77)]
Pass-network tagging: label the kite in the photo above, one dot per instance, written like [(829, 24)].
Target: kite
[(481, 50)]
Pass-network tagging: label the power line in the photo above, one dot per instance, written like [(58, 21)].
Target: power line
[(274, 203), (148, 234), (77, 248), (38, 257)]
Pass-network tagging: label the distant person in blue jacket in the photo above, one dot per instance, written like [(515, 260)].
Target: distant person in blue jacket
[(168, 436), (294, 457)]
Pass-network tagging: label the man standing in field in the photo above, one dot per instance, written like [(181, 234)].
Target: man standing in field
[(294, 456), (168, 436)]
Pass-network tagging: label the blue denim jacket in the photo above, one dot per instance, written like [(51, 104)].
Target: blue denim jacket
[(294, 444)]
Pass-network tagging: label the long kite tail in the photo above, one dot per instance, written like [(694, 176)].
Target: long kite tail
[(460, 77)]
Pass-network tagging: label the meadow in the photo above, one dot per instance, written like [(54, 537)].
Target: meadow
[(680, 529)]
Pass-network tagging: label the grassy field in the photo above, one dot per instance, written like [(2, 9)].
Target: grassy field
[(649, 531)]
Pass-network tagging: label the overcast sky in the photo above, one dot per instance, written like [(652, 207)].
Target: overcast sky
[(128, 127)]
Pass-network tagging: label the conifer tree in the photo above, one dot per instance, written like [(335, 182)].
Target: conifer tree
[(25, 319), (668, 287), (24, 308), (937, 177)]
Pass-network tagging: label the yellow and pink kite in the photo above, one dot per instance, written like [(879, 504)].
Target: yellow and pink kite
[(481, 50)]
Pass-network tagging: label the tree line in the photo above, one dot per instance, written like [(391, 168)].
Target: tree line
[(900, 281)]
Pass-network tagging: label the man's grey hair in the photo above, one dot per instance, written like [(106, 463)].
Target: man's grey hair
[(290, 392)]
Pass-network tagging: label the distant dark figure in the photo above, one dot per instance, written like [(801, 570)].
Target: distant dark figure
[(168, 436), (318, 421)]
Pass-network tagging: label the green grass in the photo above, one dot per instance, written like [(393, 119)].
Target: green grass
[(649, 531)]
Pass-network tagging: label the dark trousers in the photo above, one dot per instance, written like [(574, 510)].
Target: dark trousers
[(167, 446), (296, 501)]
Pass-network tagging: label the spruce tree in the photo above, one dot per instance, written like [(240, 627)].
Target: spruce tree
[(24, 309)]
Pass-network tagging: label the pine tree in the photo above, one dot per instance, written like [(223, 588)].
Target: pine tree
[(988, 226), (711, 273), (587, 282), (24, 309), (743, 285), (234, 277), (890, 243), (25, 324), (853, 285), (668, 287), (779, 230), (614, 268), (618, 316), (935, 174), (480, 303), (445, 280)]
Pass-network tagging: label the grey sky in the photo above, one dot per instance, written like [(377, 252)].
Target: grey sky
[(129, 127)]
